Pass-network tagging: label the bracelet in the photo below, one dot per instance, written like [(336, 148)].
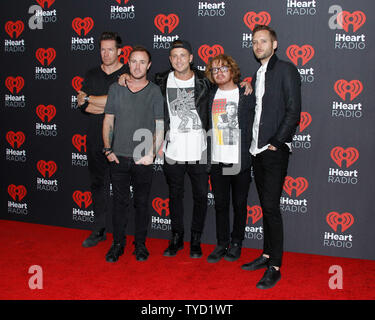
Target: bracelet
[(87, 98), (109, 152), (106, 149)]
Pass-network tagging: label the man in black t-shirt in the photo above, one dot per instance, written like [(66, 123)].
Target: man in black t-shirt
[(92, 99)]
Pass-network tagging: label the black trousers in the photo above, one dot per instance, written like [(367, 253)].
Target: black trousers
[(99, 178), (270, 169), (175, 176), (123, 175), (222, 186)]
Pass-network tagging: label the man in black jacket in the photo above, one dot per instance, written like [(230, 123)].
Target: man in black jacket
[(277, 92)]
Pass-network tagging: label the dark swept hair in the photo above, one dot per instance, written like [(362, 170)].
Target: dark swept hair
[(141, 49), (259, 27), (108, 35), (225, 60)]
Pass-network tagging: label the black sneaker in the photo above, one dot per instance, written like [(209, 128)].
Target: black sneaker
[(269, 279), (114, 252), (94, 238), (234, 252), (141, 253), (175, 244), (217, 254)]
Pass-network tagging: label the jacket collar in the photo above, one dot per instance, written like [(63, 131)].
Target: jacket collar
[(272, 62)]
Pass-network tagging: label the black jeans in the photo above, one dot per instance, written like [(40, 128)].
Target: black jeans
[(222, 185), (270, 169), (99, 178), (175, 176), (123, 175)]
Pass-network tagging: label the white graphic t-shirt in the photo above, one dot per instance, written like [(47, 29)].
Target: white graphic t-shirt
[(186, 138), (225, 135)]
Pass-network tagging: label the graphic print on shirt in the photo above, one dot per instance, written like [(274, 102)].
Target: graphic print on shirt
[(225, 121), (182, 105)]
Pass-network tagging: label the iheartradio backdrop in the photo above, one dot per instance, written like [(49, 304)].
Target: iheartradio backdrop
[(327, 201)]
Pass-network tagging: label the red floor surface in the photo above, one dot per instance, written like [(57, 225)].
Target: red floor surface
[(71, 272)]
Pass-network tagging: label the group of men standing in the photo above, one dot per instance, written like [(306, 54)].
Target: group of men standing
[(206, 124)]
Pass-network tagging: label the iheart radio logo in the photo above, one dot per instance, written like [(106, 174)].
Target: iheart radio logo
[(77, 83), (356, 19), (305, 121), (248, 79), (43, 111), (124, 56), (299, 184), (15, 139), (43, 2), (85, 24), (334, 219), (255, 213), (305, 53), (14, 28), (162, 21), (45, 167), (342, 87), (252, 18), (350, 155), (161, 205), (17, 191), (14, 83), (79, 141), (45, 55), (82, 198), (206, 52), (119, 1)]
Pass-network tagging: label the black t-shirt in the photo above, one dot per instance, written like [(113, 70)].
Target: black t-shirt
[(97, 83)]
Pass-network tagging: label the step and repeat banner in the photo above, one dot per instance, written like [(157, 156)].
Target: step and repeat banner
[(48, 45)]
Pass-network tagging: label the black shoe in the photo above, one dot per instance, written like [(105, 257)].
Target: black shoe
[(195, 245), (258, 263), (114, 252), (234, 252), (269, 279), (94, 238), (141, 253), (217, 254), (175, 244)]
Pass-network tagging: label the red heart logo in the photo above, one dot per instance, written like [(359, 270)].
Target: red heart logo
[(16, 28), (77, 83), (252, 18), (350, 155), (255, 213), (342, 87), (43, 2), (305, 53), (299, 184), (82, 198), (43, 111), (125, 53), (171, 21), (17, 191), (15, 138), (161, 205), (14, 83), (335, 219), (356, 19), (45, 54), (79, 142), (85, 24), (305, 121), (45, 167), (206, 52)]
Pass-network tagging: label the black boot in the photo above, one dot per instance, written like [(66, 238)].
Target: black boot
[(94, 238), (195, 245), (175, 244)]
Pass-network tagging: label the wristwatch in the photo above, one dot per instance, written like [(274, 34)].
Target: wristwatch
[(87, 98), (106, 150)]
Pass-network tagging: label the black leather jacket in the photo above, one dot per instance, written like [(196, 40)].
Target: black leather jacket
[(281, 103)]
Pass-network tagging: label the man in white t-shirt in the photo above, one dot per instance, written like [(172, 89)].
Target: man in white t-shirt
[(231, 115), (185, 90)]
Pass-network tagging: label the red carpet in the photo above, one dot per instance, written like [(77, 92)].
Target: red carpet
[(76, 273)]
